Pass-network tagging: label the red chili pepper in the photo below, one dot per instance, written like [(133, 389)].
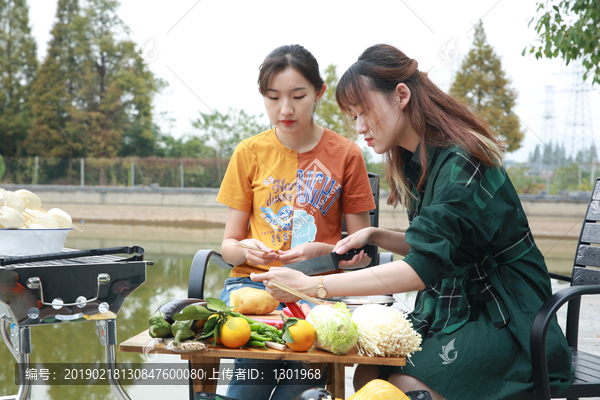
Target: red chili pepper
[(296, 311)]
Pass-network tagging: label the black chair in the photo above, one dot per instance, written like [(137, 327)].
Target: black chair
[(584, 281), (204, 257)]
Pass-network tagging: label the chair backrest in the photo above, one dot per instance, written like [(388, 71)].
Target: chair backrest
[(587, 255), (373, 214)]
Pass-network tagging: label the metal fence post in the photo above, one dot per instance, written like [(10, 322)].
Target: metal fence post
[(181, 173), (132, 173), (82, 171), (36, 167)]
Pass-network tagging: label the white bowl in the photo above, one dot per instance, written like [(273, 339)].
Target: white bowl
[(28, 242)]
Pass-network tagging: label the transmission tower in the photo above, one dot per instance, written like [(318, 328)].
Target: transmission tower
[(579, 131), (549, 117)]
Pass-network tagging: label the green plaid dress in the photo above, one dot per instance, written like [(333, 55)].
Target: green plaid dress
[(486, 279)]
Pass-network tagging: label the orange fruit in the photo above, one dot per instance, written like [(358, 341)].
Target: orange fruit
[(235, 332), (304, 336)]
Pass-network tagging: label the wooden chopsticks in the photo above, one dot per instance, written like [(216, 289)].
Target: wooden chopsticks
[(248, 247), (296, 293)]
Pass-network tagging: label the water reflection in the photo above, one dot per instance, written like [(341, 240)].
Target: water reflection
[(172, 249)]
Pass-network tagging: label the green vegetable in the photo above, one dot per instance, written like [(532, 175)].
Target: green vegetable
[(161, 320), (258, 344), (193, 312), (182, 330), (158, 326), (265, 327), (336, 332)]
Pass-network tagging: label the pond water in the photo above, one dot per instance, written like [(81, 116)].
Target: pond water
[(171, 249)]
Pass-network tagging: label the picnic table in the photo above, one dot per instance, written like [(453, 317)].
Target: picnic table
[(209, 357)]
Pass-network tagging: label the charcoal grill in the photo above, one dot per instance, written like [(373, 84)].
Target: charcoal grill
[(66, 287)]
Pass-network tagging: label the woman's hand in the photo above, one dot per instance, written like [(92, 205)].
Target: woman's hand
[(256, 257), (288, 277), (303, 252), (354, 241)]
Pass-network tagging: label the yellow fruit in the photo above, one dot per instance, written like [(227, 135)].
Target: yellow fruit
[(235, 332), (304, 336), (380, 390)]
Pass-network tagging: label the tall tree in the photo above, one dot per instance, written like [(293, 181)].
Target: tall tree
[(56, 91), (328, 113), (570, 30), (117, 87), (94, 95), (18, 65), (484, 85)]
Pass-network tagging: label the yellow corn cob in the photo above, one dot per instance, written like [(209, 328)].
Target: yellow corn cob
[(379, 389)]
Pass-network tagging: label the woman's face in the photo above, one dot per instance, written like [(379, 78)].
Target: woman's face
[(290, 100), (385, 125)]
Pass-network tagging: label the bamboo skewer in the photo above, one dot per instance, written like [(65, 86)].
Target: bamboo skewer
[(296, 293), (248, 247)]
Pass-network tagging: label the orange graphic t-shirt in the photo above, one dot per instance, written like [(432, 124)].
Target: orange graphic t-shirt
[(295, 198)]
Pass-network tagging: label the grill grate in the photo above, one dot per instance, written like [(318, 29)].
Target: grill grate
[(72, 261), (75, 257)]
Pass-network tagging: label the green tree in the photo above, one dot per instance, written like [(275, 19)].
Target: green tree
[(94, 94), (570, 30), (186, 147), (2, 167), (223, 132), (117, 87), (524, 182), (328, 113), (56, 91), (18, 65), (482, 83)]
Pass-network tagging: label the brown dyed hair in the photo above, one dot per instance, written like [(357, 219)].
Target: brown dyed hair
[(440, 120), (294, 56)]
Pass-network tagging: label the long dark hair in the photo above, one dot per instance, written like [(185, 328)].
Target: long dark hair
[(439, 119), (294, 56)]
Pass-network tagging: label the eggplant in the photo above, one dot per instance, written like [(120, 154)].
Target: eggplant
[(160, 323), (174, 306)]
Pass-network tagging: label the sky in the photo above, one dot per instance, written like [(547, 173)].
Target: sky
[(209, 51)]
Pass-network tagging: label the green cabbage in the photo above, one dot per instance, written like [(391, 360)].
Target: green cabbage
[(336, 332)]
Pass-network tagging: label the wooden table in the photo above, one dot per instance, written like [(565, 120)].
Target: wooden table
[(211, 355)]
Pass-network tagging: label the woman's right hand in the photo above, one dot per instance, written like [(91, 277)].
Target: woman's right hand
[(256, 257), (354, 241)]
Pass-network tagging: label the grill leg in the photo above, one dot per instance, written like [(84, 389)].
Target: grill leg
[(19, 344), (107, 333)]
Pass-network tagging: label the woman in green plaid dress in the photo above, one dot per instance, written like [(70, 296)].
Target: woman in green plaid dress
[(468, 250)]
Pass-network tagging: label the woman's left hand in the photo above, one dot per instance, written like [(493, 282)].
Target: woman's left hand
[(303, 252), (288, 277)]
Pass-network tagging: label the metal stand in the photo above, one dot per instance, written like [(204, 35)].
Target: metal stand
[(107, 333), (19, 344)]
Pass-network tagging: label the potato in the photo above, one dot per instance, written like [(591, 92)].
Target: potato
[(253, 301)]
